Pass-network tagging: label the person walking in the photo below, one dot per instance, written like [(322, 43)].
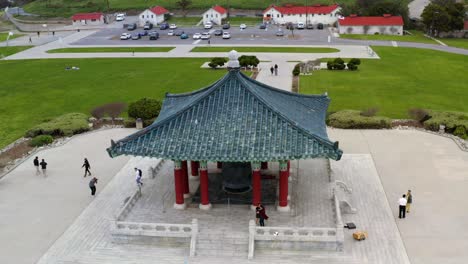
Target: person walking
[(262, 214), (409, 200), (276, 69), (92, 185), (36, 164), (87, 167), (30, 40), (402, 202), (44, 167), (138, 176), (272, 70)]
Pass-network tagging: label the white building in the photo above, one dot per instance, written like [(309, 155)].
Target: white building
[(315, 14), (384, 25), (154, 15), (215, 15), (88, 19)]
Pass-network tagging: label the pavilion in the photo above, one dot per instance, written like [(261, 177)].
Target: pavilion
[(236, 119)]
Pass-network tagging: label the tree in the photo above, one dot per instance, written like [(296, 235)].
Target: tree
[(457, 16), (248, 61), (184, 4), (436, 19), (217, 62), (145, 108)]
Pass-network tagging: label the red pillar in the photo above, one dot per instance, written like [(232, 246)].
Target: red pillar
[(204, 193), (194, 165), (283, 186), (256, 184), (265, 165), (178, 183), (185, 179), (219, 165)]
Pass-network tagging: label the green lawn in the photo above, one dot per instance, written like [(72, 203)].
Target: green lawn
[(111, 49), (7, 51), (36, 90), (453, 42), (417, 36), (403, 78), (67, 8), (3, 36), (266, 49)]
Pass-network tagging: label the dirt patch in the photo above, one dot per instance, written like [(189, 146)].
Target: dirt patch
[(406, 122), (16, 152), (103, 123)]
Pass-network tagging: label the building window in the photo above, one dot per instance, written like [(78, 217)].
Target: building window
[(277, 15), (211, 15), (313, 14), (151, 16), (206, 15), (282, 15), (142, 16), (300, 15)]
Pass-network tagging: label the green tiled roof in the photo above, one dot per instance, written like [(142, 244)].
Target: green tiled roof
[(235, 119)]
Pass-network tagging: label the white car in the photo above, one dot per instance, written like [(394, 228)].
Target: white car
[(205, 35), (208, 25), (172, 26), (243, 26), (120, 17), (125, 36), (170, 33), (226, 35), (300, 25), (196, 36)]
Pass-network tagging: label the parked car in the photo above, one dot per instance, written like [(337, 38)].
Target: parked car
[(184, 36), (131, 26), (243, 26), (164, 26), (320, 26), (153, 35), (170, 33), (148, 26), (143, 33), (196, 36), (279, 33), (226, 26), (208, 25), (125, 36), (262, 26), (310, 26), (120, 17), (300, 25), (172, 26), (205, 35), (179, 32), (226, 35), (136, 36), (218, 32)]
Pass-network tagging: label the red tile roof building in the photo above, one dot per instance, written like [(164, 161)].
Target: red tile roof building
[(159, 10), (154, 15), (82, 19), (215, 15), (386, 24), (324, 14)]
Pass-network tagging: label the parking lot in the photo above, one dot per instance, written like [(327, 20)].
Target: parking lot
[(250, 35)]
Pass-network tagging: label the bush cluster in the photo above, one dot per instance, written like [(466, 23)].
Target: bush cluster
[(65, 125), (339, 64), (352, 119), (454, 122), (419, 114), (248, 61), (41, 140), (145, 108), (297, 70), (217, 62)]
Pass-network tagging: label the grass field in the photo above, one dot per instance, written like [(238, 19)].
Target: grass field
[(266, 49), (458, 43), (403, 78), (67, 8), (416, 37), (3, 36), (111, 49), (48, 90), (7, 51)]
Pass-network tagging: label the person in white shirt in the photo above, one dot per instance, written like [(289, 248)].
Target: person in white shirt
[(138, 175), (402, 202)]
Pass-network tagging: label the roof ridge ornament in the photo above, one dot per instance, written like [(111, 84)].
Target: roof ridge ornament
[(233, 63)]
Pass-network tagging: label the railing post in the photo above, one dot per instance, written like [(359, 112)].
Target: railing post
[(193, 240), (251, 239)]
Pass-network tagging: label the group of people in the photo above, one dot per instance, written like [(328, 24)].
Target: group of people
[(274, 69), (405, 204), (42, 164)]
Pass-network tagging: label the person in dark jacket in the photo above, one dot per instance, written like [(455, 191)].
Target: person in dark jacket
[(87, 167), (36, 164), (276, 69), (44, 167), (261, 213), (92, 185)]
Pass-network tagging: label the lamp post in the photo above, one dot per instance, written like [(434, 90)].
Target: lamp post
[(8, 37)]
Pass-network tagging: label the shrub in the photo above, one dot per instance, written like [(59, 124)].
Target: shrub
[(330, 65), (355, 61), (419, 114), (41, 140), (113, 110), (129, 122), (351, 119), (352, 67), (460, 131), (65, 125), (247, 61), (338, 61), (98, 112), (369, 112), (145, 108), (297, 70), (217, 62), (148, 122), (340, 66), (451, 120)]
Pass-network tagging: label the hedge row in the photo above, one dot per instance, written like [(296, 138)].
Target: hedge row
[(65, 125), (352, 119), (455, 122), (41, 140)]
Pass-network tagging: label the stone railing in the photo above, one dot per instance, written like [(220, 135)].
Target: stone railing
[(122, 214), (158, 230), (325, 236), (153, 171)]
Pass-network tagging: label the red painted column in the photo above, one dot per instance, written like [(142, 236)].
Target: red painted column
[(194, 165), (185, 179), (256, 184), (219, 165), (283, 187), (178, 184), (204, 193), (265, 165)]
